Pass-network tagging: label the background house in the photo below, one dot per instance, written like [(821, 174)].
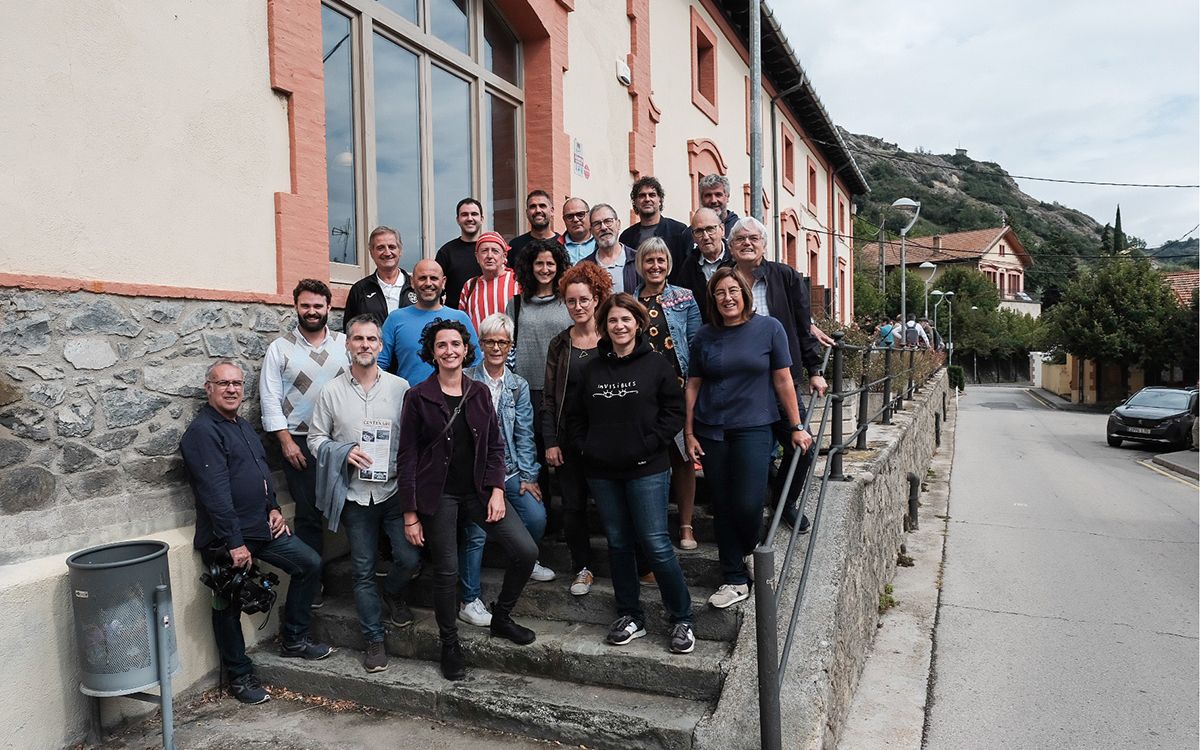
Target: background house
[(995, 252)]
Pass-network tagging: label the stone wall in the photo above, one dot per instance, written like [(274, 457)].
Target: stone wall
[(858, 536), (95, 393)]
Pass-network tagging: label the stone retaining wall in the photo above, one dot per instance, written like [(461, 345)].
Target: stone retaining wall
[(95, 393), (859, 534)]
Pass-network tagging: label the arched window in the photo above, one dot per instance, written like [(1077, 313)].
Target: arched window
[(423, 106), (704, 158), (789, 238)]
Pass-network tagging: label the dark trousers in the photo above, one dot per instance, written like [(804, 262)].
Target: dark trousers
[(782, 431), (573, 487), (736, 469), (303, 567), (363, 524), (302, 486), (441, 537)]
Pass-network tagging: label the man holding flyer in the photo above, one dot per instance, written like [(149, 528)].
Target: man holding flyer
[(353, 436)]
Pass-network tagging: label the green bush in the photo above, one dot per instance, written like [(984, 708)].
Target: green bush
[(957, 380)]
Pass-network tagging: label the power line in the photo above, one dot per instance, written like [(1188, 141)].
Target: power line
[(1000, 172)]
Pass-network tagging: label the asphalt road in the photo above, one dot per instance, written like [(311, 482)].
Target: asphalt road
[(1068, 612)]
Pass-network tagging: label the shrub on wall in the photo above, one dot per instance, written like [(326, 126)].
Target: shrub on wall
[(957, 381)]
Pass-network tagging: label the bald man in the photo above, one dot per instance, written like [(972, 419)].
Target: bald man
[(709, 252), (402, 330)]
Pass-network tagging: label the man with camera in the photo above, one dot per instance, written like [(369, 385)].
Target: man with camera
[(238, 520)]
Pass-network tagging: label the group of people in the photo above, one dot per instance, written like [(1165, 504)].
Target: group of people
[(616, 361), (919, 334)]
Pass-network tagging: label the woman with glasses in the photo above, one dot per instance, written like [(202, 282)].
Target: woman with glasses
[(739, 380), (510, 397), (625, 419), (450, 465), (583, 287), (674, 319)]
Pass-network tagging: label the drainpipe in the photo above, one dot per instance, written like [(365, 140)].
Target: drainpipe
[(775, 149)]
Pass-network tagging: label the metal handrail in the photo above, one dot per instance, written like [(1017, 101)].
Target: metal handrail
[(767, 592)]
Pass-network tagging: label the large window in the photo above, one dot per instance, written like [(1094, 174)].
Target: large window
[(423, 107)]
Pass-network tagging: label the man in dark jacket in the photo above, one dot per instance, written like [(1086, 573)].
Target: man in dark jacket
[(781, 292), (238, 519), (612, 255), (709, 252), (714, 194), (389, 288), (648, 199)]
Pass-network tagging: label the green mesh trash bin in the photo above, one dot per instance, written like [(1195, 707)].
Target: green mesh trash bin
[(113, 596)]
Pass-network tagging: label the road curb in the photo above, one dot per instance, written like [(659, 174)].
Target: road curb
[(1042, 399), (1174, 462)]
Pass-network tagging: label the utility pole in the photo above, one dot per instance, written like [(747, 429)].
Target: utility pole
[(756, 139)]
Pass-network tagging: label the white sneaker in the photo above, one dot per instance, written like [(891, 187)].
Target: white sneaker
[(582, 583), (541, 573), (728, 594), (475, 613)]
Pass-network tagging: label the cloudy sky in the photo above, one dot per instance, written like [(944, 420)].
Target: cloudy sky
[(1099, 90)]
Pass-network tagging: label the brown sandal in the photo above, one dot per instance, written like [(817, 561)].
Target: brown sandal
[(686, 543)]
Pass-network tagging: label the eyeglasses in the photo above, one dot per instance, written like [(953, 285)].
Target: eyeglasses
[(598, 223), (576, 216), (705, 230), (235, 384), (746, 239), (496, 343), (579, 302)]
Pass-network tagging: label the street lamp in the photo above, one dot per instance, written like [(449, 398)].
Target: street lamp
[(950, 328), (941, 296), (908, 204), (932, 269)]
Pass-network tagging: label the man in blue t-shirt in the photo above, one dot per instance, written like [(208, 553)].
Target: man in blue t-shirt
[(403, 327)]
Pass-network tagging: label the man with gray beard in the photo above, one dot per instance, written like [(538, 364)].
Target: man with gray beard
[(356, 409), (611, 254)]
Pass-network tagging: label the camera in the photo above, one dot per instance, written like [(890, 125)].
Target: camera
[(250, 589)]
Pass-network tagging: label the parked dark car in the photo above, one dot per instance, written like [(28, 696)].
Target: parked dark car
[(1155, 415)]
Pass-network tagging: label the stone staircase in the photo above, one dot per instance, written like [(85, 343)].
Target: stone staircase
[(569, 685)]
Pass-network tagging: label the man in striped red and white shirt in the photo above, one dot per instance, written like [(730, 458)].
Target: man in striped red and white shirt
[(490, 291)]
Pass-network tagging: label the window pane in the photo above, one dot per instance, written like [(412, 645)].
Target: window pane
[(448, 21), (406, 8), (339, 136), (499, 47), (451, 100), (501, 145), (398, 145)]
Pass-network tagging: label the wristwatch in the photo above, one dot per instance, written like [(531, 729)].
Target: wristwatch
[(798, 428)]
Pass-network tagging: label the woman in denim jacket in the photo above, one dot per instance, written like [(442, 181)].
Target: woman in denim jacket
[(510, 395), (677, 307)]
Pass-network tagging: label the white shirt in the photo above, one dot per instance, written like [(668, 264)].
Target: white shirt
[(391, 292), (495, 387)]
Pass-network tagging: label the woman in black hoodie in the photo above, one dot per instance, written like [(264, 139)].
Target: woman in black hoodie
[(626, 415)]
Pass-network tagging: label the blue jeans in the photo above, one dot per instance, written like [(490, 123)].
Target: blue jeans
[(634, 512), (302, 566), (302, 486), (363, 523), (470, 550), (736, 469)]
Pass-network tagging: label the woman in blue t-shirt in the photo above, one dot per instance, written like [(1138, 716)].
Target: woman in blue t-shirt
[(739, 381)]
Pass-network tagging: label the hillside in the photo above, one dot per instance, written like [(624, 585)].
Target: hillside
[(958, 193)]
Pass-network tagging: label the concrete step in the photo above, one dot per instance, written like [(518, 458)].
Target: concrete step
[(700, 566), (594, 716), (575, 652), (553, 601)]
